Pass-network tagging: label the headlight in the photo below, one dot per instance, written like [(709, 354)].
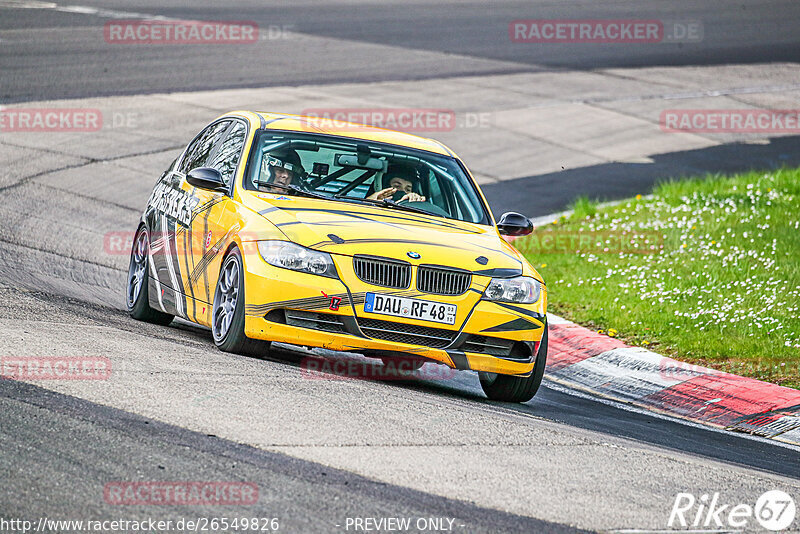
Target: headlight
[(522, 290), (290, 256)]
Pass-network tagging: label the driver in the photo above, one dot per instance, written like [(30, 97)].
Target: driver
[(283, 168), (401, 178)]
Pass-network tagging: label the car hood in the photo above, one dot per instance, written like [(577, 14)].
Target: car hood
[(349, 229)]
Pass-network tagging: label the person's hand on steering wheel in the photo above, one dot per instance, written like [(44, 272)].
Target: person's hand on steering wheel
[(400, 185), (412, 197)]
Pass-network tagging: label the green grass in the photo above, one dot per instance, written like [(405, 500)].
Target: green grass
[(706, 271), (582, 207)]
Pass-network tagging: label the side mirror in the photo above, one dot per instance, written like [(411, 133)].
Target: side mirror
[(207, 178), (513, 223)]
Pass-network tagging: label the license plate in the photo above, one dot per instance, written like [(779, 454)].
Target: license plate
[(424, 310)]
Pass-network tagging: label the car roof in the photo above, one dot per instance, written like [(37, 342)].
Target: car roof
[(320, 125)]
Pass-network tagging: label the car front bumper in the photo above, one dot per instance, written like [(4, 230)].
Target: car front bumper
[(313, 311)]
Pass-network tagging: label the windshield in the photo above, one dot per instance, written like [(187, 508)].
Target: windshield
[(353, 170)]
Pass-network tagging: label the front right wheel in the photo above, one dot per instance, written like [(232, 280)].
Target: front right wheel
[(508, 388)]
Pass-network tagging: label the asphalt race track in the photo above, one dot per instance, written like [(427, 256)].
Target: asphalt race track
[(323, 451), (366, 41)]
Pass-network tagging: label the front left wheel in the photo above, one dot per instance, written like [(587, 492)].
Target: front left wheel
[(517, 388), (227, 313)]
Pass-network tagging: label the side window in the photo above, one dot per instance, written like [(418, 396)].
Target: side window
[(226, 158), (200, 148)]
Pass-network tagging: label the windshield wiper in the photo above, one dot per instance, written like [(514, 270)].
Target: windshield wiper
[(299, 191), (386, 203)]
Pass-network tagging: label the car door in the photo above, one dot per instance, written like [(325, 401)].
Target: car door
[(181, 218), (209, 233)]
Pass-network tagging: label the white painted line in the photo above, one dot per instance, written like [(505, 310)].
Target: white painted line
[(555, 319), (82, 10), (568, 389), (628, 373)]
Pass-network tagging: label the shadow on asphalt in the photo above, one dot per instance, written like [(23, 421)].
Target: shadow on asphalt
[(576, 411), (538, 195), (612, 419), (72, 439)]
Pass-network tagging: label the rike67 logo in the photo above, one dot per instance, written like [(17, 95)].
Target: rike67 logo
[(775, 510)]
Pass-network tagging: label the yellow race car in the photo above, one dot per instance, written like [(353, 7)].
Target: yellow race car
[(272, 227)]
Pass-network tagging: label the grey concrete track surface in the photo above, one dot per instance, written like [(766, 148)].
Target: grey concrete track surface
[(561, 459), (362, 41), (70, 448), (434, 448)]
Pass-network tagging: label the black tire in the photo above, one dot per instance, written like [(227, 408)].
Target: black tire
[(508, 388), (227, 317), (137, 296)]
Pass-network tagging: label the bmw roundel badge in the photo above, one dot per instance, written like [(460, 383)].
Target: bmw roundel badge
[(413, 255)]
